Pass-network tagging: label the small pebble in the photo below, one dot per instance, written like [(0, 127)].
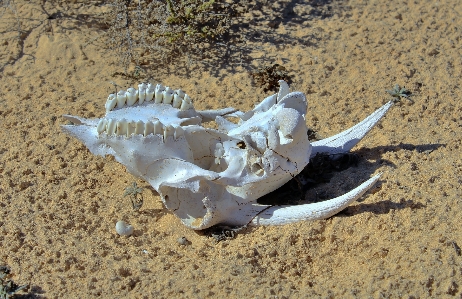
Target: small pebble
[(183, 241), (123, 228)]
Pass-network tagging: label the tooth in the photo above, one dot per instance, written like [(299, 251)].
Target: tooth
[(131, 126), (180, 93), (188, 99), (186, 103), (168, 131), (176, 101), (122, 127), (148, 128), (158, 99), (111, 127), (121, 98), (131, 96), (158, 127), (111, 102), (139, 128), (101, 126), (149, 92), (141, 92), (179, 132), (159, 89), (168, 95), (184, 106)]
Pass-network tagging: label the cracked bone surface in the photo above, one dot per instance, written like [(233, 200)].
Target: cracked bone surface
[(215, 176)]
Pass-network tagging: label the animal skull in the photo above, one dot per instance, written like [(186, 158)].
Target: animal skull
[(215, 176)]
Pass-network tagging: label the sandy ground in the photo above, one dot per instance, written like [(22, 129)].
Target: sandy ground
[(59, 203)]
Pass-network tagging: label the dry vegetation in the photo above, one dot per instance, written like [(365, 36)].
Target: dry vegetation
[(162, 31)]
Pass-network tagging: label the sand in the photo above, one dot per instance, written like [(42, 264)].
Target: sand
[(59, 203)]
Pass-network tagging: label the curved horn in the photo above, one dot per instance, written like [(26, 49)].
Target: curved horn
[(346, 140), (279, 215)]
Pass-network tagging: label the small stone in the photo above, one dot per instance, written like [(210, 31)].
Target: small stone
[(123, 228), (433, 52), (274, 24), (273, 253), (183, 241)]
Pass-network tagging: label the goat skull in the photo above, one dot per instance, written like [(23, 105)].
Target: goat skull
[(215, 176)]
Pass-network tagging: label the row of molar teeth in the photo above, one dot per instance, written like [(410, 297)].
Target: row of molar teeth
[(148, 92), (126, 128)]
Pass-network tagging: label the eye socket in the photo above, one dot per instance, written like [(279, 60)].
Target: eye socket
[(241, 145)]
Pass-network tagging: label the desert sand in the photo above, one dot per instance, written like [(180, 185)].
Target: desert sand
[(59, 203)]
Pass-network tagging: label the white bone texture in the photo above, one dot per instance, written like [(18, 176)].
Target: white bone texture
[(215, 176)]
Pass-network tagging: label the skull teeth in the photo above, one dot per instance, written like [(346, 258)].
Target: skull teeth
[(142, 92), (140, 128), (148, 92), (158, 127), (128, 128), (131, 96), (167, 95), (158, 93), (111, 102), (111, 127), (148, 128), (186, 103), (121, 99), (122, 127), (101, 126)]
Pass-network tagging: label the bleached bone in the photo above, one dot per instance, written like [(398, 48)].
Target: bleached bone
[(207, 176), (279, 215), (346, 140)]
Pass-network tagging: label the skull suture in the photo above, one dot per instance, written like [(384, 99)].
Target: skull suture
[(215, 176)]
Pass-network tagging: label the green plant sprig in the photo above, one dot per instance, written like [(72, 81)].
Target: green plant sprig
[(7, 287), (135, 196), (397, 93)]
